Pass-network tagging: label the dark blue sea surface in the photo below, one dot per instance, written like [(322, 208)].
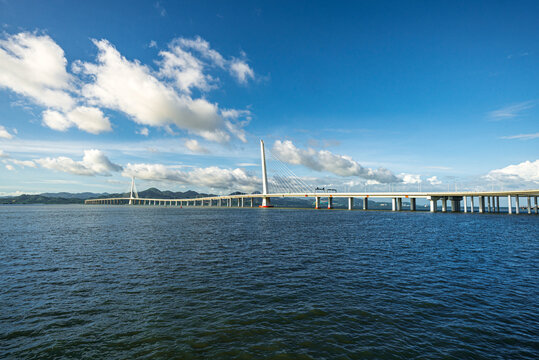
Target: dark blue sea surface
[(120, 282)]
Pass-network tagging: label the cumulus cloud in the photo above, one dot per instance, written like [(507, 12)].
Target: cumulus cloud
[(324, 160), (89, 119), (35, 66), (194, 146), (211, 177), (147, 100), (181, 64), (434, 180), (241, 71), (93, 163), (525, 172), (4, 134), (10, 167), (410, 178)]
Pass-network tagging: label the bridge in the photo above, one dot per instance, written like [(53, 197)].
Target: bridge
[(461, 201)]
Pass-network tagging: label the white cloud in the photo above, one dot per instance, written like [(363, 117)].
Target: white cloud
[(185, 69), (324, 160), (241, 71), (89, 119), (144, 132), (203, 48), (194, 146), (522, 136), (10, 167), (211, 177), (3, 154), (22, 163), (511, 111), (35, 66), (410, 178), (4, 134), (434, 180), (93, 163), (147, 100), (524, 172), (56, 120)]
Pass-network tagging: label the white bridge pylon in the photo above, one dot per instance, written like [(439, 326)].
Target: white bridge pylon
[(133, 193)]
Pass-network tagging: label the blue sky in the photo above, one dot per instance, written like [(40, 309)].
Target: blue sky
[(388, 95)]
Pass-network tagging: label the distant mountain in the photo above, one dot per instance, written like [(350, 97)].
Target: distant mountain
[(66, 195), (39, 199)]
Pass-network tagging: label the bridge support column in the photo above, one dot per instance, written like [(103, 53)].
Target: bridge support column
[(465, 203), (433, 204), (529, 205), (412, 204), (489, 204), (242, 202), (394, 204), (455, 203), (471, 204), (252, 202), (444, 204), (517, 205), (399, 204), (536, 206), (365, 203), (330, 202), (481, 204), (509, 204), (317, 202), (350, 203), (229, 202)]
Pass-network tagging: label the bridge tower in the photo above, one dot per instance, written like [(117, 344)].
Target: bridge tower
[(133, 191), (265, 200)]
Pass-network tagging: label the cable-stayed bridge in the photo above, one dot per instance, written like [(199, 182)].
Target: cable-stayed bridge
[(285, 184)]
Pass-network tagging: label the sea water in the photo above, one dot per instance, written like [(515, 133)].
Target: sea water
[(119, 282)]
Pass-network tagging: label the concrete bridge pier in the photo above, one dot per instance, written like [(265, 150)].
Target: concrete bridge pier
[(399, 204), (433, 204), (252, 202), (365, 203), (465, 203), (350, 203), (393, 204), (229, 202), (444, 204), (330, 202), (509, 205), (471, 204), (481, 204), (412, 204), (242, 202), (317, 202), (517, 205), (455, 204), (536, 206)]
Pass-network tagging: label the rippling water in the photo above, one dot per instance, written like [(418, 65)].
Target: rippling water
[(143, 282)]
